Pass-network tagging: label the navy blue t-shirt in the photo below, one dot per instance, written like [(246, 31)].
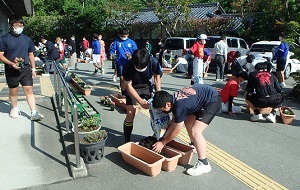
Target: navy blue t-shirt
[(141, 79), (52, 52), (16, 46), (191, 100)]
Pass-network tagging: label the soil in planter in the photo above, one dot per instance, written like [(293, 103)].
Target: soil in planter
[(148, 142)]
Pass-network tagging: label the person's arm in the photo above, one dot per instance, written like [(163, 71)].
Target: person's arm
[(32, 63), (157, 82), (230, 102), (8, 62), (172, 131)]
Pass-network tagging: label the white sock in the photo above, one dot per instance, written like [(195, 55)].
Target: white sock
[(33, 112), (15, 108)]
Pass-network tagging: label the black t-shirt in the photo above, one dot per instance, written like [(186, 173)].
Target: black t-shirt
[(16, 46), (52, 52), (263, 83), (191, 100), (141, 79)]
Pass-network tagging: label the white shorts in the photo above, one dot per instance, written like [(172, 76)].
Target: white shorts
[(96, 58)]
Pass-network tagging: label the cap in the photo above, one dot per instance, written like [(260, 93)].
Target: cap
[(202, 37)]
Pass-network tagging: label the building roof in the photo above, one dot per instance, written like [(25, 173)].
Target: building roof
[(204, 10), (20, 7)]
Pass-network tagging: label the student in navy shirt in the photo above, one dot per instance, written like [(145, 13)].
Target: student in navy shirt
[(137, 73), (281, 58), (17, 48), (195, 107)]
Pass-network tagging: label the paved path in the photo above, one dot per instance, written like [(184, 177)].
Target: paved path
[(243, 154)]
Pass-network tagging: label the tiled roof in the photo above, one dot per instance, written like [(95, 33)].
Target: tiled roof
[(197, 11)]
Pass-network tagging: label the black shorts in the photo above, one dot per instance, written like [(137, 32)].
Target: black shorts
[(24, 78), (209, 111), (144, 93), (273, 101), (280, 64)]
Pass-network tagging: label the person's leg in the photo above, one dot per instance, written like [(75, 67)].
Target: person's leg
[(13, 97), (189, 122), (128, 122), (222, 71), (28, 90), (218, 67)]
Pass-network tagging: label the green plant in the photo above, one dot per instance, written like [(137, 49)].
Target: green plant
[(86, 124), (94, 137), (287, 111)]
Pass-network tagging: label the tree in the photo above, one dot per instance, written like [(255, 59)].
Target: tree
[(171, 13)]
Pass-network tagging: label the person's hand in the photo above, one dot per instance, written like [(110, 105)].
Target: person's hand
[(33, 74), (110, 57), (158, 146), (171, 71), (145, 104), (232, 114)]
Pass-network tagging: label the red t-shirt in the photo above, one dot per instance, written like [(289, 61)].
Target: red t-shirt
[(198, 50), (230, 56), (230, 89)]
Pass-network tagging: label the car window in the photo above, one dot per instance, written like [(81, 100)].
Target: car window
[(233, 43), (262, 48), (174, 44), (190, 43), (243, 44), (210, 42)]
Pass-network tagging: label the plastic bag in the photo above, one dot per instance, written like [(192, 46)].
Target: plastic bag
[(159, 121)]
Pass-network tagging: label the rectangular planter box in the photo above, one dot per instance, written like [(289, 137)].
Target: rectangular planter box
[(171, 162), (185, 150), (286, 119), (142, 158), (119, 100), (83, 91), (166, 70)]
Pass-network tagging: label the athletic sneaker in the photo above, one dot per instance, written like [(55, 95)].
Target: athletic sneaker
[(271, 118), (199, 169), (258, 117), (36, 116), (114, 78), (102, 71), (14, 113), (282, 84)]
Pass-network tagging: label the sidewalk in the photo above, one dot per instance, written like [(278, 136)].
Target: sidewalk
[(243, 154)]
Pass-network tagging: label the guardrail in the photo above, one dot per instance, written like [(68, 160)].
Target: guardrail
[(62, 92)]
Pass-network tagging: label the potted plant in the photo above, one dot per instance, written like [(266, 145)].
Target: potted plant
[(112, 106), (81, 85), (92, 146), (287, 115), (87, 125)]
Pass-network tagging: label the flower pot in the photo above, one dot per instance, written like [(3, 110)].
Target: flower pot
[(142, 158), (286, 118), (84, 91), (170, 162), (119, 100), (92, 153), (84, 134), (185, 150)]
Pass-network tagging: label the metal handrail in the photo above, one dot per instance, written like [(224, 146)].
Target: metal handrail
[(59, 82)]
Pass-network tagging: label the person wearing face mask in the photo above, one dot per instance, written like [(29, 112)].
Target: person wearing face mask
[(229, 91), (198, 51), (220, 49), (281, 58), (17, 52), (123, 47), (137, 73), (195, 107), (72, 45)]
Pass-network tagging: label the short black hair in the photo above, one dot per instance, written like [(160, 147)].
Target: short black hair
[(123, 31), (261, 66), (237, 54), (223, 37), (95, 36), (242, 74), (250, 58), (140, 58), (176, 56), (160, 99), (15, 18)]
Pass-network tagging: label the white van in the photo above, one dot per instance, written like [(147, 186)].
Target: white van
[(178, 44)]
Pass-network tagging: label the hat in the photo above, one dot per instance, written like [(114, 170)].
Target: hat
[(202, 37)]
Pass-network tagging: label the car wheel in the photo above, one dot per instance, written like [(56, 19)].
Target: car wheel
[(287, 71)]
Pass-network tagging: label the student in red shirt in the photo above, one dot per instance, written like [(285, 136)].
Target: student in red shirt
[(229, 91)]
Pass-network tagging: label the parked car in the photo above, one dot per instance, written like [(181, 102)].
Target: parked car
[(268, 49), (178, 44)]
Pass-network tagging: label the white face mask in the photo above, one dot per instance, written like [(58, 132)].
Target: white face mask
[(124, 38), (280, 38), (140, 70), (18, 30), (203, 42)]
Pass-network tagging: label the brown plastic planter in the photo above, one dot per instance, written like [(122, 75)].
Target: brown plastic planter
[(170, 163), (185, 150), (286, 119), (142, 158)]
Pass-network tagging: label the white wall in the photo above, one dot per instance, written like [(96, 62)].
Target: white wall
[(3, 23)]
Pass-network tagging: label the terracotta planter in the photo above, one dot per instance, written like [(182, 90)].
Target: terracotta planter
[(286, 118), (84, 91), (142, 158), (171, 162), (185, 150), (166, 70), (119, 100)]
